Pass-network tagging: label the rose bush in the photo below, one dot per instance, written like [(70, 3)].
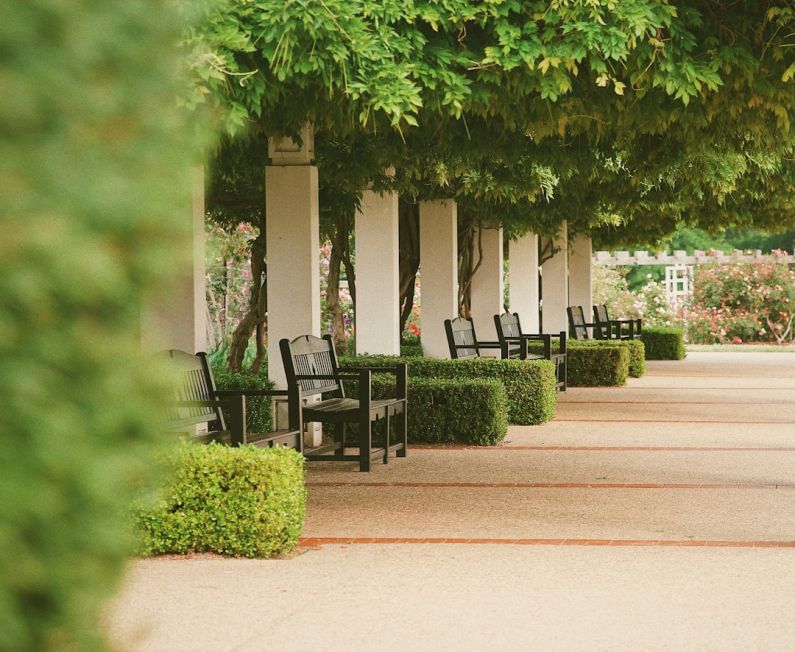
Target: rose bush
[(649, 303), (750, 302)]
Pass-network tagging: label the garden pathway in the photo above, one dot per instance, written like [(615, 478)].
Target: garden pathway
[(660, 515)]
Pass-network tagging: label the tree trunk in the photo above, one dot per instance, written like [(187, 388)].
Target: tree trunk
[(340, 256), (469, 261), (333, 298), (409, 216), (256, 316)]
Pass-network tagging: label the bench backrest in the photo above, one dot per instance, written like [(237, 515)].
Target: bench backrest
[(461, 338), (509, 333), (602, 319), (577, 323), (308, 355), (196, 383)]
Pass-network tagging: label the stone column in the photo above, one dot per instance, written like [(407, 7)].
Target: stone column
[(580, 290), (487, 286), (177, 317), (438, 273), (555, 284), (293, 246), (377, 275), (292, 233), (523, 281)]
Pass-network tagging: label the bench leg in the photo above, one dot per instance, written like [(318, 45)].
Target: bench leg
[(365, 442), (401, 426), (386, 439), (339, 438)]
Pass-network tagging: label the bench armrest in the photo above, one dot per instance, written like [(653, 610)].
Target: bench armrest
[(251, 392), (400, 371), (207, 403)]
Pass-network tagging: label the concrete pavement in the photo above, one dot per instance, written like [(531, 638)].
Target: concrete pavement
[(656, 516)]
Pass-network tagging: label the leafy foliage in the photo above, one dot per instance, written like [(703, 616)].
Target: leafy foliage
[(95, 160), (241, 502)]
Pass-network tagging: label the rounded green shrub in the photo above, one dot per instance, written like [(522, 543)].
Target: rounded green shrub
[(664, 343), (241, 502)]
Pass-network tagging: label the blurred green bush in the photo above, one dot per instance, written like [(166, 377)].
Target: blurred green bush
[(95, 172)]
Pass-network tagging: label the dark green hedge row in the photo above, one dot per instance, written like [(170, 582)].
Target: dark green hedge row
[(635, 349), (471, 411), (594, 363), (529, 385), (241, 502), (598, 364), (664, 343), (258, 408), (411, 350)]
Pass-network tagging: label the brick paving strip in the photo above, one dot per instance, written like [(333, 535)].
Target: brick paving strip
[(696, 449), (672, 402), (694, 421), (550, 485), (317, 542)]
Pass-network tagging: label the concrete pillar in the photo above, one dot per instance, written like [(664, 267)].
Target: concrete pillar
[(523, 281), (292, 233), (377, 275), (555, 283), (292, 246), (580, 290), (177, 317), (438, 273), (487, 286)]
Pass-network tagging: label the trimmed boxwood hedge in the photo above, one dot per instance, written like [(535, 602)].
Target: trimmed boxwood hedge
[(635, 348), (594, 363), (241, 502), (664, 343), (471, 411), (411, 350), (258, 408), (529, 384), (598, 364)]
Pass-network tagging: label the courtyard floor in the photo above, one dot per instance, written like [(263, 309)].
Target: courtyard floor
[(657, 516)]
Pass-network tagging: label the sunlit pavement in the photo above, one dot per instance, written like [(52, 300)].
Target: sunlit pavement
[(660, 515)]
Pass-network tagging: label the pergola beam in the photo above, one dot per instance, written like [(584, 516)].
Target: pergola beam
[(682, 258)]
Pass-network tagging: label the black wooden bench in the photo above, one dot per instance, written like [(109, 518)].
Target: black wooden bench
[(616, 329), (463, 342), (197, 401), (578, 327), (514, 345), (311, 364)]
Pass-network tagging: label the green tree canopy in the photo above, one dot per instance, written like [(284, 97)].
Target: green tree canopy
[(627, 118)]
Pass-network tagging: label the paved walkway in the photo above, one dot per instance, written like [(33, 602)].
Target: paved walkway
[(659, 516)]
